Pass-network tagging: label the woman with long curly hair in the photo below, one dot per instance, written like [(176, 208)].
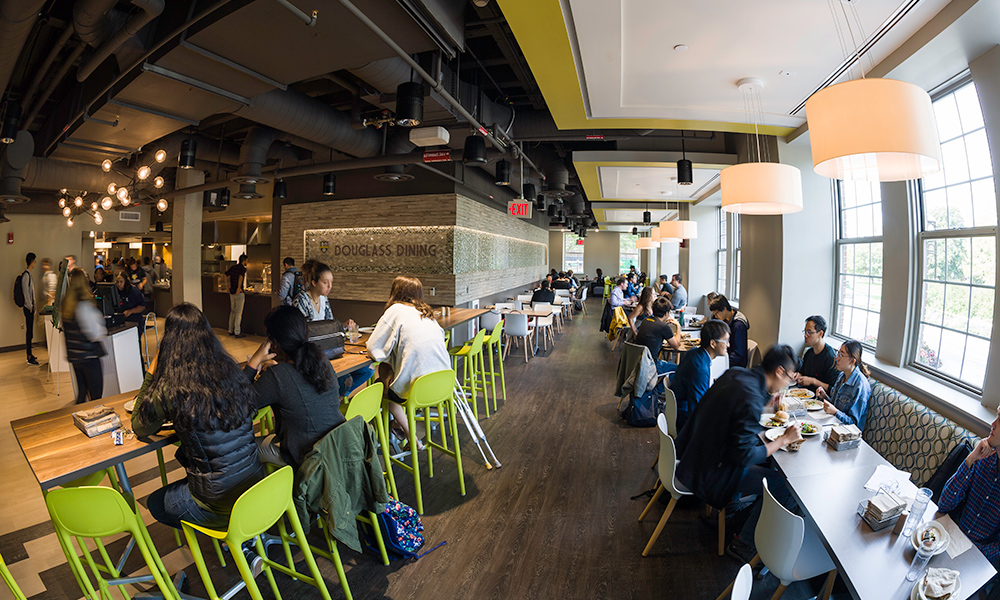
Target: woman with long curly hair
[(83, 326), (408, 342), (298, 382), (196, 384)]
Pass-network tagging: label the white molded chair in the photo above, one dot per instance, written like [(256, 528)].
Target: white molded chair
[(560, 304), (789, 548), (517, 304), (743, 584), (670, 412), (489, 320), (504, 306), (565, 300), (583, 298), (543, 325), (524, 298), (516, 326), (753, 354), (720, 364), (667, 464)]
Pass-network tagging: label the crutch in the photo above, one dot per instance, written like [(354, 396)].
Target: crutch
[(472, 424)]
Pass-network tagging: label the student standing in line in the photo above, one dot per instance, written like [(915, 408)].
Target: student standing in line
[(84, 328), (28, 289), (819, 369), (237, 279)]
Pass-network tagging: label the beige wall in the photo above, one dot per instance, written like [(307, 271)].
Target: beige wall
[(48, 237)]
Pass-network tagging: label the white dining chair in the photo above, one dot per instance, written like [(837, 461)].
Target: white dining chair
[(565, 298), (504, 306), (666, 465), (743, 584), (490, 319), (720, 364), (524, 298), (560, 305), (516, 327), (789, 548), (543, 325), (583, 299), (670, 411), (517, 304)]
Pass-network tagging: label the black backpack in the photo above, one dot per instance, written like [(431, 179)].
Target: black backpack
[(19, 290), (297, 285)]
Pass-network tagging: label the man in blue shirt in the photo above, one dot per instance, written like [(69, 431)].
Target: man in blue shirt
[(694, 375), (617, 297), (680, 295), (287, 291)]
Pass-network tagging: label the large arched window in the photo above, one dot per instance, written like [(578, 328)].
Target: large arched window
[(859, 261), (957, 246)]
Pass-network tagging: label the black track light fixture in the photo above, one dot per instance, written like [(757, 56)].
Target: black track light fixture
[(635, 231), (329, 184), (11, 119), (185, 160), (685, 170), (528, 191), (540, 202), (474, 153), (647, 218), (503, 172), (552, 211), (280, 189), (224, 198), (409, 104)]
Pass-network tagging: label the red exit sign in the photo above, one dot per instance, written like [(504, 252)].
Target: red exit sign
[(519, 208)]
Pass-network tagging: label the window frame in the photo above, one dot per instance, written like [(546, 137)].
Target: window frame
[(736, 234), (722, 253), (566, 267), (839, 243), (921, 237), (637, 255)]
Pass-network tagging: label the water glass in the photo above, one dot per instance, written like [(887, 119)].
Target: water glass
[(920, 560), (917, 510)]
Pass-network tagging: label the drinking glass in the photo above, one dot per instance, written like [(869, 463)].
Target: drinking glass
[(917, 510)]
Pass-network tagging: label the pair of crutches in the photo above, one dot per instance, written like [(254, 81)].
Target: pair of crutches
[(472, 424)]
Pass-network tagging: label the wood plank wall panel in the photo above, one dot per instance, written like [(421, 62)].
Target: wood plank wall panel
[(438, 209)]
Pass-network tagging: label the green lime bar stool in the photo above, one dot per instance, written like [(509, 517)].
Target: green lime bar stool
[(473, 371), (9, 580), (367, 404), (493, 343), (256, 510), (96, 512), (432, 390)]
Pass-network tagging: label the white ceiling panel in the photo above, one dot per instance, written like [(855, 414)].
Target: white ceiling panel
[(631, 70), (652, 183), (635, 216)]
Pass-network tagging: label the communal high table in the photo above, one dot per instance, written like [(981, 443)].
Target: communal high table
[(828, 485)]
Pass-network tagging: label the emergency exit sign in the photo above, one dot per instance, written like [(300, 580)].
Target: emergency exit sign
[(519, 208)]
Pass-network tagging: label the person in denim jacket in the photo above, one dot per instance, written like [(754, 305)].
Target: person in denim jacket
[(848, 397)]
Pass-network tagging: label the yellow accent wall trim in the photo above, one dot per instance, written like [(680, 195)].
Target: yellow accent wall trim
[(540, 29)]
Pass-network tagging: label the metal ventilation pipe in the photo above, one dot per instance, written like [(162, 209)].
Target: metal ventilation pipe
[(12, 168), (253, 155), (556, 179), (577, 205), (17, 17), (148, 10), (307, 118), (52, 174)]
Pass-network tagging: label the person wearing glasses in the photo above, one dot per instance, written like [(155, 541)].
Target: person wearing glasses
[(848, 397), (694, 375), (819, 369), (721, 454), (739, 330)]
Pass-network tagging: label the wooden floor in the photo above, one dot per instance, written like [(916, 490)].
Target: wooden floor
[(555, 521)]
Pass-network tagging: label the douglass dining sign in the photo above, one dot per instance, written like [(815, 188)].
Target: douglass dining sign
[(419, 250)]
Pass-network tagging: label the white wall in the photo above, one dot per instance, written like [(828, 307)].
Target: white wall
[(48, 237), (600, 250)]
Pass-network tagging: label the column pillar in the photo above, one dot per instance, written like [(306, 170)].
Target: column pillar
[(186, 240)]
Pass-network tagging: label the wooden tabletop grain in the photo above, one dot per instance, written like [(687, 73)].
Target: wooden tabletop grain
[(457, 316), (872, 563)]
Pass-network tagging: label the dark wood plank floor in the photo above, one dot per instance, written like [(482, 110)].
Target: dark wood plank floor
[(556, 520)]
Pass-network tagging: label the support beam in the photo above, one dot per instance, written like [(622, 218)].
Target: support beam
[(186, 236)]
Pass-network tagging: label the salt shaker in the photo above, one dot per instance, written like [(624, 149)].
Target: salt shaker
[(917, 510), (920, 559)]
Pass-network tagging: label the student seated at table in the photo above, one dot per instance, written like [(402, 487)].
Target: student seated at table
[(544, 293), (617, 296), (819, 369), (409, 343), (656, 328), (970, 488), (597, 283), (573, 282), (720, 452), (665, 289), (633, 288), (739, 327), (643, 308), (300, 385), (680, 295), (314, 303), (694, 374), (562, 282), (848, 397), (131, 302), (196, 384)]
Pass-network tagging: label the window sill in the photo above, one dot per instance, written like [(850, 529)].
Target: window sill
[(943, 399)]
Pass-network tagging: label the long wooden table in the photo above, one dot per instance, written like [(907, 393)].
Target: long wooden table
[(828, 485), (457, 316)]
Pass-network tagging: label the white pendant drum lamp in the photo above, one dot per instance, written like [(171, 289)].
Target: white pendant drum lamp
[(678, 230), (654, 234), (646, 243), (761, 187), (873, 130)]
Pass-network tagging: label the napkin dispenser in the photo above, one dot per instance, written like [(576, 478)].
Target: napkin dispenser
[(882, 511), (844, 437), (97, 420)]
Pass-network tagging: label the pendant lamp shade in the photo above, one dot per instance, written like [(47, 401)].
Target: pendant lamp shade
[(654, 234), (761, 188), (678, 230), (873, 130), (646, 244)]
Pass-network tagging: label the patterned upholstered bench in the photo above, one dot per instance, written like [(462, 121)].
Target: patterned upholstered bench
[(909, 435)]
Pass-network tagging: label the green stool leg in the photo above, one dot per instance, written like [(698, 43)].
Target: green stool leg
[(383, 440), (333, 555), (199, 562), (503, 379), (453, 421), (9, 580), (163, 479), (493, 375)]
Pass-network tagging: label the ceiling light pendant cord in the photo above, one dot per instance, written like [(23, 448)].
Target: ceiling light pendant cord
[(854, 43), (832, 5), (862, 34)]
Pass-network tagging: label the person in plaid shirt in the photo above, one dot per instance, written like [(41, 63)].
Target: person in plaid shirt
[(977, 483)]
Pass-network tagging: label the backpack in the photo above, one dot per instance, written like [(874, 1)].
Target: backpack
[(19, 291), (297, 285), (642, 411), (401, 530)]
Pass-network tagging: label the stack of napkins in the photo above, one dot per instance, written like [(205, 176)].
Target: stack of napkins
[(940, 584), (885, 505), (845, 433), (97, 420)]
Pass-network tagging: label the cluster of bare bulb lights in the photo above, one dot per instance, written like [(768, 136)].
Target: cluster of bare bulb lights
[(120, 194)]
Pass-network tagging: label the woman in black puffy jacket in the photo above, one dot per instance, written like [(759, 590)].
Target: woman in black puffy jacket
[(83, 326), (197, 385)]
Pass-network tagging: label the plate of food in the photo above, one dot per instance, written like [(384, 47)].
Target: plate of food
[(800, 393), (774, 433), (937, 584), (933, 531), (130, 405), (809, 428), (778, 419), (366, 329), (813, 404)]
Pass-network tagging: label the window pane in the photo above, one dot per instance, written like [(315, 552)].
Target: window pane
[(930, 342), (946, 114), (984, 260), (984, 202), (968, 108), (956, 167), (959, 262), (974, 367), (859, 283), (978, 150), (952, 353), (935, 210), (960, 206), (933, 311), (956, 307), (981, 312)]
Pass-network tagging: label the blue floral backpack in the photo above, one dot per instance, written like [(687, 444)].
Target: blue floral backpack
[(401, 530)]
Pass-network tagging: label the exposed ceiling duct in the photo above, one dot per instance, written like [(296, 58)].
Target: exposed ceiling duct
[(253, 155), (17, 17), (556, 179), (53, 174), (148, 10), (12, 167)]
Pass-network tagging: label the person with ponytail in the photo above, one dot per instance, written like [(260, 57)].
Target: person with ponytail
[(83, 326), (297, 381), (848, 396)]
